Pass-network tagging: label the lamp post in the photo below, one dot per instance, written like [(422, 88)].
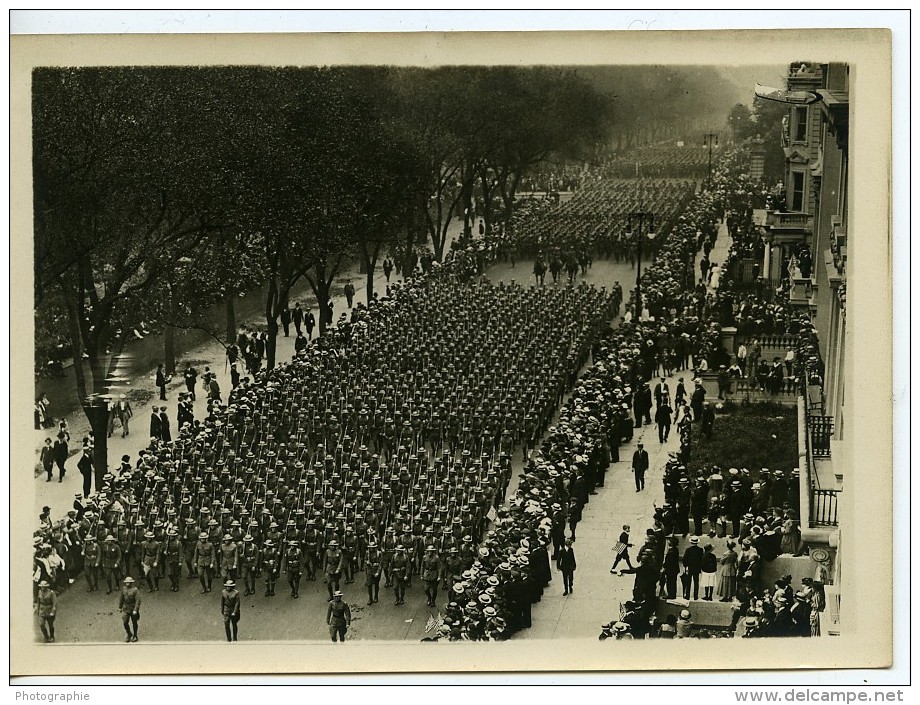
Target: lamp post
[(637, 222), (710, 139)]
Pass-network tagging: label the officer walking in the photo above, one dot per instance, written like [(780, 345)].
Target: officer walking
[(332, 567), (230, 609), (372, 574), (92, 557), (111, 562), (172, 554), (338, 617), (400, 572), (129, 604), (431, 570), (46, 608), (271, 560), (293, 564), (639, 466), (204, 560)]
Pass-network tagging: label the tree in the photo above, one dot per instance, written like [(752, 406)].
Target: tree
[(740, 123), (120, 177)]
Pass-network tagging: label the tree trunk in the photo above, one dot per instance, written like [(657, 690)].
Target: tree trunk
[(97, 413), (169, 349), (98, 416), (368, 266), (271, 320), (231, 318), (271, 344), (90, 403), (322, 296)]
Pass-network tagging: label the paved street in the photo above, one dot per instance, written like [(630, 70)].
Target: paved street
[(190, 616)]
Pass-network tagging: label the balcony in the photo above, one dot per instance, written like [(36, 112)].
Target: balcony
[(789, 221), (820, 495), (784, 227)]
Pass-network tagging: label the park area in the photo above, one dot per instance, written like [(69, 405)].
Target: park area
[(750, 435)]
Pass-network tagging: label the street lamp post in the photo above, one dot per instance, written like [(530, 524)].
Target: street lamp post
[(638, 222), (710, 139)]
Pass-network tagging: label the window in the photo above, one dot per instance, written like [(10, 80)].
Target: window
[(798, 192), (801, 124)]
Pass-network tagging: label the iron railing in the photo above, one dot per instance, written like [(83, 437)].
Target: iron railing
[(820, 431), (823, 507)]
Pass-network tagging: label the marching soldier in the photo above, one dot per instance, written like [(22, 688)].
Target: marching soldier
[(333, 562), (293, 566), (46, 609), (189, 541), (230, 603), (129, 605), (454, 569), (431, 572), (338, 617), (372, 574), (271, 565), (349, 550), (150, 561), (205, 561), (400, 572), (172, 555), (388, 551), (311, 549), (249, 560), (92, 558), (229, 558), (111, 562)]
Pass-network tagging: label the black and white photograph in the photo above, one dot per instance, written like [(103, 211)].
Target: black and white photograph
[(387, 349)]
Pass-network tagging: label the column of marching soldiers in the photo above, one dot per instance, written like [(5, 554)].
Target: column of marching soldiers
[(386, 448)]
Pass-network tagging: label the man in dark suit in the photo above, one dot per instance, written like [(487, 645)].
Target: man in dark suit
[(696, 400), (165, 433), (566, 564), (155, 422), (639, 466), (663, 419), (161, 381), (85, 465), (645, 393), (286, 321), (681, 392), (693, 565), (661, 391), (670, 567), (297, 316)]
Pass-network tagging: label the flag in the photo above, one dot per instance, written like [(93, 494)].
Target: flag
[(434, 622), (783, 96)]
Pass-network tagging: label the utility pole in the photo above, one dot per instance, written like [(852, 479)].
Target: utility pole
[(642, 225), (710, 139)]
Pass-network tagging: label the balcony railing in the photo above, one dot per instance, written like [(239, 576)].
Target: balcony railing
[(823, 507), (800, 293), (820, 431), (788, 220)]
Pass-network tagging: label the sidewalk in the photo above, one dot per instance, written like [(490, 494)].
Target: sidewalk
[(717, 256), (598, 594)]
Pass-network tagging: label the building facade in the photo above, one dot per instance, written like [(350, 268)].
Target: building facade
[(806, 254)]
